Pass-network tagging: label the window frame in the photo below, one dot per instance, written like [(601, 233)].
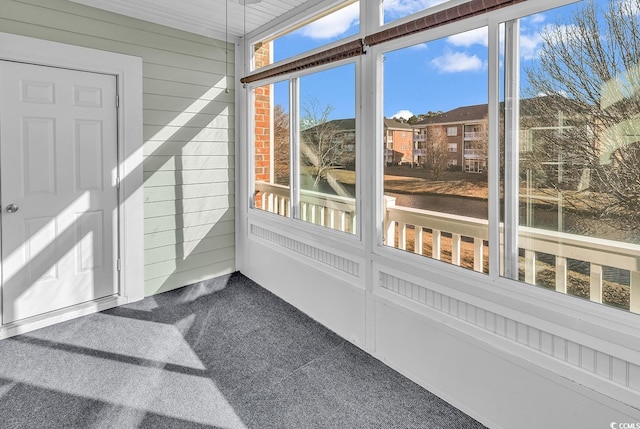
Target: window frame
[(294, 189)]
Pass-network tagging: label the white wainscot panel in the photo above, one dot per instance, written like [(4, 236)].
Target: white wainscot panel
[(481, 381), (325, 286)]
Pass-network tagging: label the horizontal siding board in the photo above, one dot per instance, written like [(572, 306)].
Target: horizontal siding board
[(174, 222), (167, 238), (185, 133), (169, 178), (174, 73), (164, 117), (207, 148), (186, 105), (175, 280), (168, 253), (187, 89), (167, 268), (172, 163), (164, 208), (179, 192)]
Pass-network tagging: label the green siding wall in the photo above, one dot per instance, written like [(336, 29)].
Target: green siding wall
[(188, 132)]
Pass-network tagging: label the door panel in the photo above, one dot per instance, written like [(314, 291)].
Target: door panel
[(58, 165)]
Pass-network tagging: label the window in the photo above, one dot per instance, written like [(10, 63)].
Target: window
[(272, 148), (453, 147), (404, 147), (317, 183), (404, 135), (340, 22), (434, 193), (577, 134)]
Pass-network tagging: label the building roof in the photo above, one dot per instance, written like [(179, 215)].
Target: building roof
[(349, 124), (474, 113), (393, 124)]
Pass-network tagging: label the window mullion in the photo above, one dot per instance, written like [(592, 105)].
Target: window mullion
[(294, 138), (511, 148), (493, 176)]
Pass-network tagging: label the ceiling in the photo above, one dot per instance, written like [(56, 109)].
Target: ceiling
[(205, 17)]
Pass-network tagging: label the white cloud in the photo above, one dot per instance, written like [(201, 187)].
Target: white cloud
[(479, 36), (530, 45), (455, 62), (537, 18), (398, 8), (333, 25), (404, 114)]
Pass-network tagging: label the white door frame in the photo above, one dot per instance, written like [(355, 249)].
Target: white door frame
[(128, 72)]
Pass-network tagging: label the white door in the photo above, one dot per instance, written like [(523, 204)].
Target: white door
[(58, 159)]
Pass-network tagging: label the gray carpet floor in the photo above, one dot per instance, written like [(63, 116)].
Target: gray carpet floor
[(224, 353)]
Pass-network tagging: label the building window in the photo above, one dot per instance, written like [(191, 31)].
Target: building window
[(452, 162), (452, 147), (452, 131)]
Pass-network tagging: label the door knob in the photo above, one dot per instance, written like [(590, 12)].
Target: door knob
[(12, 208)]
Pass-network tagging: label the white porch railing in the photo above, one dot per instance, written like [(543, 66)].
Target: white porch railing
[(598, 253), (315, 207), (339, 213)]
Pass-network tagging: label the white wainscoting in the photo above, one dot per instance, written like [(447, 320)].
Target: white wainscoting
[(504, 370)]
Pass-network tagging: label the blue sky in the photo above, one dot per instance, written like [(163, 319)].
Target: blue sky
[(438, 75)]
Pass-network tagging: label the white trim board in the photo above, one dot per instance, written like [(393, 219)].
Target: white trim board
[(128, 71)]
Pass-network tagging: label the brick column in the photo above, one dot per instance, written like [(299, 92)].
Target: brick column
[(263, 121)]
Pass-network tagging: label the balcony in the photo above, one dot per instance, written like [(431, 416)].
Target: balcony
[(338, 213), (475, 154), (420, 152), (419, 137), (475, 135)]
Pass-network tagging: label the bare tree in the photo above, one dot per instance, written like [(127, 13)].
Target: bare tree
[(281, 146), (320, 145), (437, 151), (586, 84)]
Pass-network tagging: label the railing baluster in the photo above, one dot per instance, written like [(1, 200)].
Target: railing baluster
[(530, 266), (417, 240), (354, 223), (343, 221), (270, 203), (322, 216), (436, 239), (634, 292), (455, 249), (312, 212), (263, 201), (332, 218), (595, 292), (478, 255), (283, 207), (402, 236), (561, 274), (391, 234)]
